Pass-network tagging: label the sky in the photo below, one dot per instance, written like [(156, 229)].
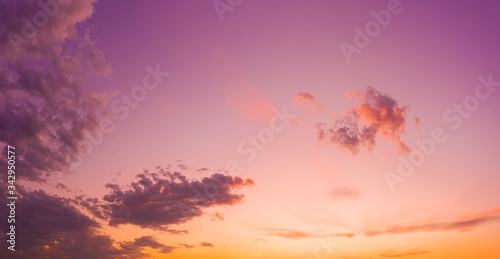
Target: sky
[(250, 129)]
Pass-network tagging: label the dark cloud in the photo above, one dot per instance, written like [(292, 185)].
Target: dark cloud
[(392, 253), (377, 114), (203, 169), (62, 186), (44, 111), (307, 101), (92, 205), (206, 244), (147, 241), (52, 227), (182, 166), (56, 227), (161, 200)]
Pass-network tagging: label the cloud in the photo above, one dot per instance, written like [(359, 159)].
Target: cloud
[(92, 205), (206, 244), (376, 114), (307, 101), (417, 121), (392, 253), (186, 245), (147, 241), (344, 193), (44, 110), (62, 186), (294, 234), (446, 226), (203, 169), (161, 200), (216, 216), (291, 234), (250, 103), (49, 226), (460, 225)]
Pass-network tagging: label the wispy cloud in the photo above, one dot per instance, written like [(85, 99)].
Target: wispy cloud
[(393, 253), (294, 234), (206, 244), (344, 193), (459, 225), (250, 103), (186, 245), (307, 101), (417, 121)]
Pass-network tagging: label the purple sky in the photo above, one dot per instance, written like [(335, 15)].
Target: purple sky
[(244, 133)]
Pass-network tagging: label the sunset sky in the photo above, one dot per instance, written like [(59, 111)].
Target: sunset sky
[(251, 129)]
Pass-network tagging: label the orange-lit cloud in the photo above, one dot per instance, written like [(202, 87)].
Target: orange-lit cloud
[(294, 234), (417, 121), (377, 113), (216, 216), (307, 101), (392, 253), (291, 234)]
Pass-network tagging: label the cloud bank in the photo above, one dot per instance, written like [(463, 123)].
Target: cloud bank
[(48, 226), (44, 110)]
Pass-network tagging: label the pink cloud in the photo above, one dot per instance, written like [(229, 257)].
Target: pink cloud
[(250, 103), (307, 101)]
